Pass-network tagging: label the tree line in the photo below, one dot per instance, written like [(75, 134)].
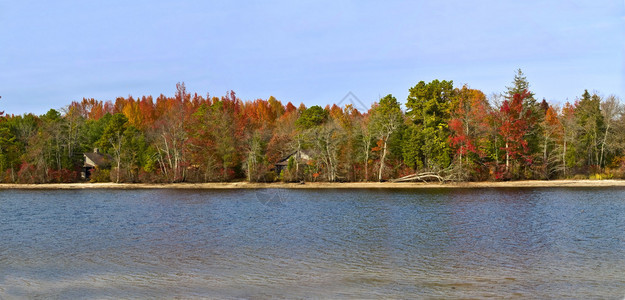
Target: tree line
[(456, 132)]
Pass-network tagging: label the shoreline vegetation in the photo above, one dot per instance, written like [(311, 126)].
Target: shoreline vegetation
[(443, 133), (323, 185)]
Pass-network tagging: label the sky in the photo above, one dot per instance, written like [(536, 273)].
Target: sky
[(311, 52)]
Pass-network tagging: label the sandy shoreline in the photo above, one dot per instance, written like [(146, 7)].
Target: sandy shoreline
[(321, 185)]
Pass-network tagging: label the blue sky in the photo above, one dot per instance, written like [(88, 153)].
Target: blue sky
[(315, 52)]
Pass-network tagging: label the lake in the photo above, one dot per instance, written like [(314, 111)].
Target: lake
[(325, 243)]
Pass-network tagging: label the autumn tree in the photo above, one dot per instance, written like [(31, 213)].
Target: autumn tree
[(261, 117), (349, 119), (534, 114), (611, 111), (513, 129), (328, 140), (365, 140), (216, 133), (73, 136), (255, 162), (169, 135), (284, 141), (201, 144), (568, 141), (385, 119), (553, 135), (468, 127)]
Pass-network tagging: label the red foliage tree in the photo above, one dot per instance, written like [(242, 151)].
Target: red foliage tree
[(515, 125), (469, 128)]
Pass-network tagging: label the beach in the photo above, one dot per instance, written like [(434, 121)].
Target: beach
[(324, 185)]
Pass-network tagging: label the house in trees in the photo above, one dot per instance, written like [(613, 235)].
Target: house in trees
[(94, 160), (298, 158)]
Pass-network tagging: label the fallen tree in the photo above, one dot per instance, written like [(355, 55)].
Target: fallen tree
[(440, 176)]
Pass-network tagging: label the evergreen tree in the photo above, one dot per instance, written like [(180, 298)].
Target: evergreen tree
[(590, 126), (311, 117), (112, 140), (520, 85), (427, 140), (9, 149)]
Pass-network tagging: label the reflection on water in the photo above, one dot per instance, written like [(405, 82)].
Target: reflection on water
[(528, 243)]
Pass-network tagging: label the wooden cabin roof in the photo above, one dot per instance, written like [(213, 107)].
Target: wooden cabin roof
[(300, 156), (96, 159)]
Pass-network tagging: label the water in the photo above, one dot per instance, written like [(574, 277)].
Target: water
[(257, 244)]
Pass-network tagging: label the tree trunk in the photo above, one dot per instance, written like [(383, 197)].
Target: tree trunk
[(382, 161), (545, 163), (564, 157), (367, 143), (594, 147), (249, 167), (496, 150), (167, 152), (367, 166), (297, 154), (118, 167), (329, 159), (119, 157), (507, 157), (605, 138)]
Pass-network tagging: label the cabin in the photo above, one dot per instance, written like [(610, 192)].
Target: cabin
[(94, 160), (299, 156)]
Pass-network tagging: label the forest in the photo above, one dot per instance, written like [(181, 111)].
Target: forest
[(443, 133)]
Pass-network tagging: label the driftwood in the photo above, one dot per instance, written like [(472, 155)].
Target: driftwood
[(425, 177)]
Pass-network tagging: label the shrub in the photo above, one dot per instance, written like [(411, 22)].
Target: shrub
[(9, 176), (62, 176), (101, 175), (27, 174), (601, 176), (149, 177)]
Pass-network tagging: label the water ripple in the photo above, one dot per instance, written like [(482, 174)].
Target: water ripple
[(504, 243)]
